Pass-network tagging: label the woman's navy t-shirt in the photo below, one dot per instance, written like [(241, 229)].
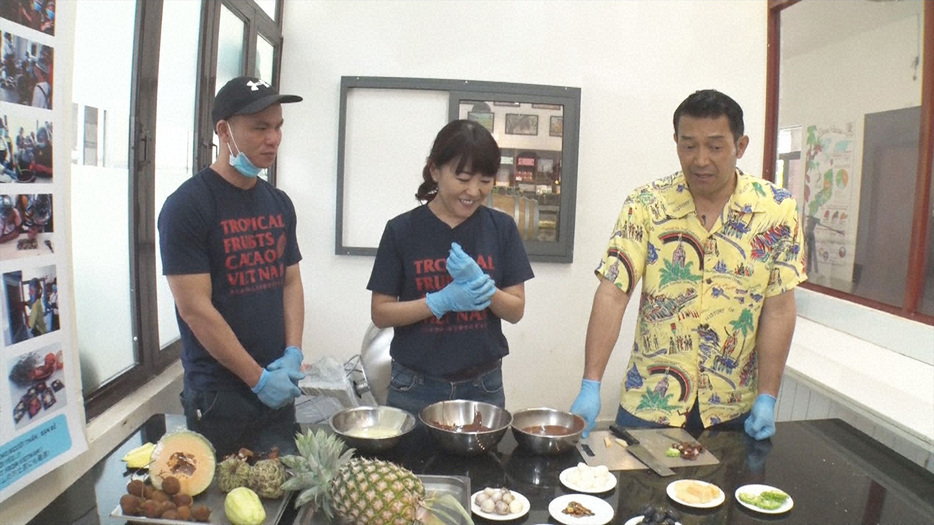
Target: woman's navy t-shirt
[(411, 261)]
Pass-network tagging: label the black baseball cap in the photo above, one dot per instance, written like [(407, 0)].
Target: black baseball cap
[(246, 95)]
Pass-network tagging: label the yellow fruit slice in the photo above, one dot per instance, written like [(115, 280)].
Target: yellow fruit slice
[(140, 456)]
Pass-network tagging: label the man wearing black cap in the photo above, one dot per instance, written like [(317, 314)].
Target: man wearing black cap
[(230, 255)]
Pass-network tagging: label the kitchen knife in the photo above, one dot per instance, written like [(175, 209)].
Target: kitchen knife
[(641, 453)]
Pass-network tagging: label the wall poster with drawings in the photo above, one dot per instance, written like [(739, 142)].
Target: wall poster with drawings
[(829, 177), (42, 422)]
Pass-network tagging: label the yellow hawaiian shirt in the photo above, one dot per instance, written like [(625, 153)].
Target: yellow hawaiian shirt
[(702, 294)]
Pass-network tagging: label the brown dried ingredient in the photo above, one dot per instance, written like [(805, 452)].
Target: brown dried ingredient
[(129, 504), (170, 485), (151, 509), (161, 505), (577, 510), (135, 487), (201, 513), (182, 500)]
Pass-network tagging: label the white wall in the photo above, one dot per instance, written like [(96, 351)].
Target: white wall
[(634, 62)]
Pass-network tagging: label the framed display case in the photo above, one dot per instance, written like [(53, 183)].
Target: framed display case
[(556, 126), (518, 124), (485, 118), (387, 125)]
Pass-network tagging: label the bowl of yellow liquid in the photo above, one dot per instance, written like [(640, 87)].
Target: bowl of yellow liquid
[(372, 429)]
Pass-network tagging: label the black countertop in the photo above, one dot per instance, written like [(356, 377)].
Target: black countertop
[(835, 474)]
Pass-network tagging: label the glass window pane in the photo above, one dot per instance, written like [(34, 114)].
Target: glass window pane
[(927, 298), (264, 58), (269, 6), (100, 190), (229, 48), (528, 185), (857, 154), (175, 121)]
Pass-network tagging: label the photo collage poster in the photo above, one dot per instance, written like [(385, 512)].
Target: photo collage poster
[(41, 415)]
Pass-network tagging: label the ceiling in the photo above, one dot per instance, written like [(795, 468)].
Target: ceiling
[(812, 24)]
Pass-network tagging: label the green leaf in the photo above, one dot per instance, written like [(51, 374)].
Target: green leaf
[(446, 509)]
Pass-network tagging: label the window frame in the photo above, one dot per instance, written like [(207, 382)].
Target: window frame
[(149, 362), (151, 359), (257, 22), (910, 308)]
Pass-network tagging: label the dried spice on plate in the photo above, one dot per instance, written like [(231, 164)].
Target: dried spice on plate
[(577, 510)]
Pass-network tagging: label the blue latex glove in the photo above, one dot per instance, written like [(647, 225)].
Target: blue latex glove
[(462, 297), (291, 360), (761, 421), (587, 404), (278, 388), (461, 266)]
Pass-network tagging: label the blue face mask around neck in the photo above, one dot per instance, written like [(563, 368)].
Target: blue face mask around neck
[(240, 162)]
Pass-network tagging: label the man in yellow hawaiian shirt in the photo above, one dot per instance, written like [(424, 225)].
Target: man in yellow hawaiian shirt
[(719, 253)]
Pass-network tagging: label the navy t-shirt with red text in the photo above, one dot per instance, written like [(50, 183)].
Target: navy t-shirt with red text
[(245, 240), (411, 261)]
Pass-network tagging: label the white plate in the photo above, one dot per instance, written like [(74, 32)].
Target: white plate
[(500, 517), (602, 511), (720, 498), (636, 519), (758, 489), (606, 487)]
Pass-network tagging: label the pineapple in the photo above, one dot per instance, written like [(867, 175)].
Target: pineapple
[(363, 491)]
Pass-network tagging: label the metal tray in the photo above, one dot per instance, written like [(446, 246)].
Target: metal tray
[(457, 486), (213, 498)]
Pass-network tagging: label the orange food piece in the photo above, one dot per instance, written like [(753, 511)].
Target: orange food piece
[(695, 492)]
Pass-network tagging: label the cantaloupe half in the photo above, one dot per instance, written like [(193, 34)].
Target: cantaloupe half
[(188, 456)]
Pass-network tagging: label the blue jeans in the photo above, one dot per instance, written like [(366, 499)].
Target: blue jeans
[(231, 420), (693, 425), (412, 391)]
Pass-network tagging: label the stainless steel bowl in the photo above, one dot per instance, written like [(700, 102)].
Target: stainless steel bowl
[(366, 428), (534, 429), (459, 413)]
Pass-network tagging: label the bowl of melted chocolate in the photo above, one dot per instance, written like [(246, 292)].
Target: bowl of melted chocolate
[(547, 430), (465, 427)]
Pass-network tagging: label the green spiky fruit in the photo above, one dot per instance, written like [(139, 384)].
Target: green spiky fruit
[(232, 473), (267, 477), (362, 491)]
